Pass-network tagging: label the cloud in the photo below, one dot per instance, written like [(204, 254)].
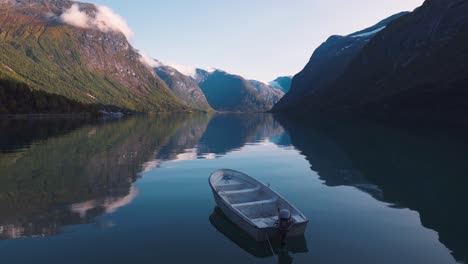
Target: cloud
[(107, 20), (75, 17), (146, 59), (104, 20), (184, 69)]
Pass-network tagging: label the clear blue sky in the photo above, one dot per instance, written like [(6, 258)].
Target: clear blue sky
[(259, 39)]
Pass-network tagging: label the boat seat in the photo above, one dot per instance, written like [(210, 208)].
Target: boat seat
[(265, 221), (241, 191), (297, 219), (261, 202), (229, 186)]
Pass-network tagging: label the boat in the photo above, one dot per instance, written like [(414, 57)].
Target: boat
[(258, 210)]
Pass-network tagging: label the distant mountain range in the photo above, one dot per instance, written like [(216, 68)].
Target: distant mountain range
[(410, 65), (184, 87), (414, 68), (91, 62), (232, 93)]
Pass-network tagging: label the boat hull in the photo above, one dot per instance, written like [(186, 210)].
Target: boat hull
[(259, 234)]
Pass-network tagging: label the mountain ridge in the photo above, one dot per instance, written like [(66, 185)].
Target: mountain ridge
[(232, 93), (329, 61), (89, 65), (415, 69)]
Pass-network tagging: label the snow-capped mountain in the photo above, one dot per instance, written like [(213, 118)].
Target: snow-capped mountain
[(328, 62)]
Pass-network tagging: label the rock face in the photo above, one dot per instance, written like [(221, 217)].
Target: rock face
[(186, 89), (283, 83), (416, 68), (232, 93), (91, 63), (328, 62), (267, 93)]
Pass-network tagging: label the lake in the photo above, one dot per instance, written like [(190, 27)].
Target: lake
[(136, 190)]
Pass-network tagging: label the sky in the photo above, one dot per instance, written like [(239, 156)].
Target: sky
[(258, 39)]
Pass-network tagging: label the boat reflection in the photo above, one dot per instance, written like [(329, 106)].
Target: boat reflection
[(257, 249)]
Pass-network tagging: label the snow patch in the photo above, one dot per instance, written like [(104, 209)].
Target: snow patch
[(344, 48), (370, 33)]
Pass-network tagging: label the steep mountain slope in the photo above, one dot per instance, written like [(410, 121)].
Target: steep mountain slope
[(232, 93), (183, 87), (91, 63), (328, 62), (266, 92), (415, 68), (283, 83)]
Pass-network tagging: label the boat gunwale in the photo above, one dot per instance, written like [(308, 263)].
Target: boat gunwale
[(237, 212)]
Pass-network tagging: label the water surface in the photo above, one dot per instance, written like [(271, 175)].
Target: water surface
[(136, 190)]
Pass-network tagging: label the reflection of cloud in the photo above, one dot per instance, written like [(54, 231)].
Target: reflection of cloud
[(151, 165), (209, 156), (110, 204), (189, 154), (82, 208)]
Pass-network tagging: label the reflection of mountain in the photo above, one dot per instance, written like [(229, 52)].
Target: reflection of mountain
[(184, 139), (65, 172), (257, 249), (91, 168), (19, 134), (227, 132), (424, 170)]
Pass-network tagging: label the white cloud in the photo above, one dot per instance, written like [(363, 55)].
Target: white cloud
[(107, 20), (146, 59), (184, 69), (104, 20), (75, 17)]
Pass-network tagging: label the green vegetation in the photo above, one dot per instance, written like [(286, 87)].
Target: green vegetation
[(79, 65), (18, 98)]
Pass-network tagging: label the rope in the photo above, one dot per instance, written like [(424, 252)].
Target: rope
[(271, 248)]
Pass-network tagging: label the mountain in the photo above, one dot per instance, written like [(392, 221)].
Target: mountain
[(415, 69), (78, 51), (283, 83), (232, 93), (266, 92), (186, 89), (328, 62)]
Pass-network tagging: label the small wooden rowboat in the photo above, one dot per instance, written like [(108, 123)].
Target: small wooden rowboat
[(255, 208)]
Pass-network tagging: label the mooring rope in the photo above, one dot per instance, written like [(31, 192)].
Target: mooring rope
[(271, 247)]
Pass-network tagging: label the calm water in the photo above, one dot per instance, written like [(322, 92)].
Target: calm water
[(136, 190)]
